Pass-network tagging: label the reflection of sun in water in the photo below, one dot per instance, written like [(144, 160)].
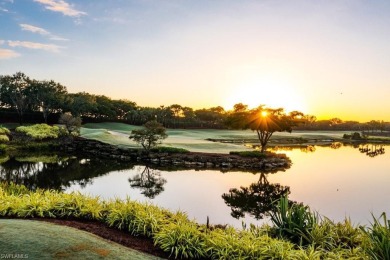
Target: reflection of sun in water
[(272, 93)]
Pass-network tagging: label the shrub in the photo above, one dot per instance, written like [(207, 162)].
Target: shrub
[(134, 217), (247, 244), (293, 221), (379, 238), (72, 124), (4, 133), (4, 139), (353, 136), (3, 148), (181, 239), (40, 131)]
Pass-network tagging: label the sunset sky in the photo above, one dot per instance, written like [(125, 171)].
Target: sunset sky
[(329, 58)]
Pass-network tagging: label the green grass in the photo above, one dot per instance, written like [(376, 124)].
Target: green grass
[(194, 140), (41, 240)]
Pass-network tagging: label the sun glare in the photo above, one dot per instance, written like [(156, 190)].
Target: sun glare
[(272, 93), (264, 113)]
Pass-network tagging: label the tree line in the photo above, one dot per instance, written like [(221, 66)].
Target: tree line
[(24, 99)]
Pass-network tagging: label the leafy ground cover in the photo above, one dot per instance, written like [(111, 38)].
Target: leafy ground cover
[(298, 233), (42, 240)]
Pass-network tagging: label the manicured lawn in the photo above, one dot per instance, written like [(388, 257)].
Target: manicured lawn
[(40, 240), (193, 140)]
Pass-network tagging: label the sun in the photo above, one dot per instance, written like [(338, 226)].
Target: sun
[(273, 93), (264, 113)]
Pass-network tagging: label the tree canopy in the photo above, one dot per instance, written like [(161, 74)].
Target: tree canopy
[(265, 121), (150, 135)]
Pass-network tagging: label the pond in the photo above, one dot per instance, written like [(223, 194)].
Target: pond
[(337, 181)]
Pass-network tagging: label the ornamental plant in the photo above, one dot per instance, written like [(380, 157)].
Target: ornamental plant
[(40, 131)]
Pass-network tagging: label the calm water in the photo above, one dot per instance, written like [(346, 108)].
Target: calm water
[(336, 182)]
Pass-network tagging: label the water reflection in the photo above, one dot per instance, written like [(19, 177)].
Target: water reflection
[(54, 172), (257, 199), (149, 181), (372, 150)]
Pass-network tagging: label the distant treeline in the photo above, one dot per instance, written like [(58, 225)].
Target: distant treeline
[(23, 99)]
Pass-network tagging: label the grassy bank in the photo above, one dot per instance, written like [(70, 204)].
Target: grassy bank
[(41, 240), (297, 234)]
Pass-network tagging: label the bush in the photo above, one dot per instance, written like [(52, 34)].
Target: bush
[(379, 238), (181, 239), (135, 218), (4, 131), (40, 131), (293, 221), (72, 124), (353, 136), (4, 139), (3, 148)]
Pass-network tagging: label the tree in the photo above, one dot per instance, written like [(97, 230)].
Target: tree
[(47, 96), (265, 121), (151, 135), (72, 124), (14, 92), (82, 104)]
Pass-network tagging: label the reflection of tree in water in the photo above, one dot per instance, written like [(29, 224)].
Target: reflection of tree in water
[(56, 175), (257, 199), (372, 150), (308, 149), (149, 181), (302, 148), (336, 145)]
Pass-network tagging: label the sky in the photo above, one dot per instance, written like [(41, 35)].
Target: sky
[(328, 58)]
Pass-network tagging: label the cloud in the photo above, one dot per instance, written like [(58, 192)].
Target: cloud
[(41, 31), (4, 10), (33, 29), (61, 7), (8, 54), (35, 45), (57, 38), (2, 42)]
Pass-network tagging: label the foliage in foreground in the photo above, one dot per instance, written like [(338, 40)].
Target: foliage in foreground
[(379, 238), (41, 131), (183, 238), (4, 132)]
